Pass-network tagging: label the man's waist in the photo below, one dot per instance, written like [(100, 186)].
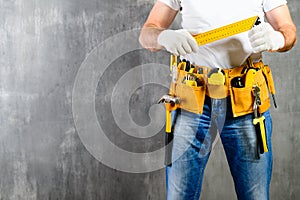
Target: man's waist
[(191, 83), (221, 60)]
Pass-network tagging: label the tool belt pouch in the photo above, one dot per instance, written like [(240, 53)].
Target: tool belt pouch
[(191, 96), (242, 99)]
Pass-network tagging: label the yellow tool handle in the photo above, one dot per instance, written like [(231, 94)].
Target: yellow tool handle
[(191, 83), (192, 70), (169, 108), (168, 121), (181, 65), (225, 31), (262, 131)]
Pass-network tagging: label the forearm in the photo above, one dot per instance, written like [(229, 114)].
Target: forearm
[(289, 33), (281, 21), (159, 19), (148, 37)]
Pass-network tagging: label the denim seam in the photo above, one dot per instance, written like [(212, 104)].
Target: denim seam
[(200, 180)]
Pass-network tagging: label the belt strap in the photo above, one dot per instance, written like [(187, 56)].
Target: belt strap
[(218, 91)]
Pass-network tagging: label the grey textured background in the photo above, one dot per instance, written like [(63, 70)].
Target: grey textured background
[(42, 45)]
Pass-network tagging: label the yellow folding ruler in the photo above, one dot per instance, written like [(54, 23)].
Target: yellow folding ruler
[(226, 31)]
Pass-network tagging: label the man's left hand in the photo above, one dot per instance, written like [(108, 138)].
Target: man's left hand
[(264, 38)]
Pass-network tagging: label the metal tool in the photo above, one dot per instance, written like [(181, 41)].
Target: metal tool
[(191, 79), (169, 99), (237, 82), (199, 70), (259, 123), (268, 75), (171, 104), (257, 100)]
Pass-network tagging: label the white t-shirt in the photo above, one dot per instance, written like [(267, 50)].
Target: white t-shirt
[(205, 15)]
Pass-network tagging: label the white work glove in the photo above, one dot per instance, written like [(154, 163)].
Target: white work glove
[(264, 38), (178, 42)]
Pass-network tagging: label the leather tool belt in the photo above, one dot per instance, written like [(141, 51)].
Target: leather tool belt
[(192, 83)]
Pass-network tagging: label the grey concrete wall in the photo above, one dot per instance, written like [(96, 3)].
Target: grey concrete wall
[(43, 45)]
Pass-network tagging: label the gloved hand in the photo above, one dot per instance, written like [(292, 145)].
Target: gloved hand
[(177, 42), (264, 38)]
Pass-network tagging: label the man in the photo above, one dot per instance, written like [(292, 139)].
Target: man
[(193, 134)]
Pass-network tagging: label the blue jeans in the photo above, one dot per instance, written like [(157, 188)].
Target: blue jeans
[(194, 135)]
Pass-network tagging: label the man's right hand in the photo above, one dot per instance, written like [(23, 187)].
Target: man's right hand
[(178, 42)]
